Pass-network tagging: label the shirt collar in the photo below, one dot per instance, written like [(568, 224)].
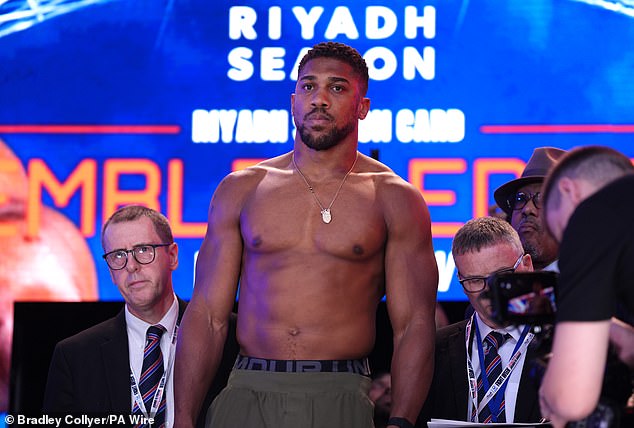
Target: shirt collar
[(513, 330), (138, 328), (553, 267)]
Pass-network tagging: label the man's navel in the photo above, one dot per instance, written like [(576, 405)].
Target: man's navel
[(293, 331)]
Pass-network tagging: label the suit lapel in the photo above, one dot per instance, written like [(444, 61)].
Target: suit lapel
[(458, 355), (181, 308), (116, 363)]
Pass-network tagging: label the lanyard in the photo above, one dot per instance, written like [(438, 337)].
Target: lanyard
[(156, 402), (499, 385)]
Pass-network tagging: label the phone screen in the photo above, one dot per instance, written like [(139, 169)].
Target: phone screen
[(524, 297)]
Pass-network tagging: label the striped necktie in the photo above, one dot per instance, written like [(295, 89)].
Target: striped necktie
[(151, 374), (492, 368)]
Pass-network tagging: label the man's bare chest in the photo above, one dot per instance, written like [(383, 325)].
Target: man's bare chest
[(282, 218)]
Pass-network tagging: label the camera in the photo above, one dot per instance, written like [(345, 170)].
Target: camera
[(530, 298), (524, 297)]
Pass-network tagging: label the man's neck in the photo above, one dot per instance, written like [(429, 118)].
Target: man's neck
[(154, 314), (489, 322)]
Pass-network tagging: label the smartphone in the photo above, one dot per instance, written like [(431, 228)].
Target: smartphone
[(524, 297)]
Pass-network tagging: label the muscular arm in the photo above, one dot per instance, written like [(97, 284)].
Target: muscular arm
[(205, 322), (411, 286), (572, 383)]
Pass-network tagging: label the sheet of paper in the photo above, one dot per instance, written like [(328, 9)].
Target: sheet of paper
[(448, 423)]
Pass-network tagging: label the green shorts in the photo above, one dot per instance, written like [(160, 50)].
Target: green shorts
[(263, 399)]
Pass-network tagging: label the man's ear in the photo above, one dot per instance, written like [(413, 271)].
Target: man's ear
[(173, 255), (566, 187), (572, 188), (292, 105), (364, 108), (527, 262)]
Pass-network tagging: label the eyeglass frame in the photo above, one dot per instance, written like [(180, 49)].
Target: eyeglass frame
[(133, 251), (512, 201), (485, 279)]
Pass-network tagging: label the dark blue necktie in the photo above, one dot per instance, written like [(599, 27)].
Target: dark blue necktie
[(492, 368), (151, 374)]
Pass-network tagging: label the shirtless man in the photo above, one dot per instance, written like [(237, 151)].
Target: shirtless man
[(314, 237)]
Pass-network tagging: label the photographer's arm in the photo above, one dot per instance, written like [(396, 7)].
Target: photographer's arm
[(572, 383), (622, 337)]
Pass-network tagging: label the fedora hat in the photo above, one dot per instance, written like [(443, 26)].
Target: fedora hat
[(538, 166)]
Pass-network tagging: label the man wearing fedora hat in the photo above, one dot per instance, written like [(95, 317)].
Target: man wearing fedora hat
[(521, 200)]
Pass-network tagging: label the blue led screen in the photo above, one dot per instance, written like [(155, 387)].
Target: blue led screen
[(119, 101)]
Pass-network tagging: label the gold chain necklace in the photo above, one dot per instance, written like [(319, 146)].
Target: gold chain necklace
[(326, 215)]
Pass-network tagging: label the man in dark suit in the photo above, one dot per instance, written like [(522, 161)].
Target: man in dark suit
[(108, 368), (482, 247)]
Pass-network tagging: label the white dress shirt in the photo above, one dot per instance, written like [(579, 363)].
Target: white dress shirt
[(505, 352), (137, 330), (553, 267)]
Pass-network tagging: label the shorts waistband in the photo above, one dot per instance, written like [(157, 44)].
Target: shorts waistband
[(359, 366)]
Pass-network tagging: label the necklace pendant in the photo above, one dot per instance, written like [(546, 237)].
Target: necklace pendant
[(326, 216)]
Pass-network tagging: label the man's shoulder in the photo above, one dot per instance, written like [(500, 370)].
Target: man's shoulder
[(613, 196), (396, 189), (451, 332), (385, 180), (378, 171), (614, 199), (398, 197), (274, 164), (93, 336), (612, 205), (244, 178)]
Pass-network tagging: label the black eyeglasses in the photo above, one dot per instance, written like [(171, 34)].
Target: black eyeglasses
[(143, 254), (475, 284), (520, 199)]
